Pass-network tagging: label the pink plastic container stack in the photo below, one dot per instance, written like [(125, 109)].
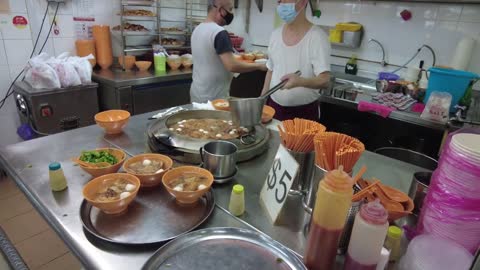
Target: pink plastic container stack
[(452, 207)]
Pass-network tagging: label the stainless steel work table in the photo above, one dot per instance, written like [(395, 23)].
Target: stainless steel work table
[(27, 163), (119, 77)]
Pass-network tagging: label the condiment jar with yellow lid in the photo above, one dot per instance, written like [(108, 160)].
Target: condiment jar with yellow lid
[(393, 242), (237, 201)]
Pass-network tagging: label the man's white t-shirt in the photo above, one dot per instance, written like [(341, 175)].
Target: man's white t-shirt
[(211, 80), (311, 56)]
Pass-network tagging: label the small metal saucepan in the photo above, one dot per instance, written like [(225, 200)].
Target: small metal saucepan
[(247, 112)]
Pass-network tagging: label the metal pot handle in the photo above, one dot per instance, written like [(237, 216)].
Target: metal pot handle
[(201, 153), (242, 139)]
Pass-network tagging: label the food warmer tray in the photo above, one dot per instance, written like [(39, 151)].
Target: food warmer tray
[(185, 149), (153, 217), (223, 248)]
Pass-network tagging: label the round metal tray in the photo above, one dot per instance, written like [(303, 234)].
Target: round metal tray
[(186, 149), (153, 217), (224, 248)]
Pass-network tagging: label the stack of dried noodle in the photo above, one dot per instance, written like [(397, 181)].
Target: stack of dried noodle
[(297, 135), (335, 149)]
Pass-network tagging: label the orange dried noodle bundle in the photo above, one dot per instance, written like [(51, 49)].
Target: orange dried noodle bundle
[(297, 134), (335, 149)]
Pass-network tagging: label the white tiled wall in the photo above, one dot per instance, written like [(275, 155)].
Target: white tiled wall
[(16, 45), (439, 25)]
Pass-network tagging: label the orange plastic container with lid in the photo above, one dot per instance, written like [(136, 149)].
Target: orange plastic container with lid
[(103, 45), (86, 47), (334, 199)]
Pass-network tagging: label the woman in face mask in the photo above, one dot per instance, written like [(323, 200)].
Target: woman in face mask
[(297, 45), (212, 50)]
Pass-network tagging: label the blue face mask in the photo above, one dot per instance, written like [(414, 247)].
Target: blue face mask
[(287, 12)]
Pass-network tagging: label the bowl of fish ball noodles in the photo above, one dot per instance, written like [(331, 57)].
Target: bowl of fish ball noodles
[(149, 168), (187, 183), (112, 193)]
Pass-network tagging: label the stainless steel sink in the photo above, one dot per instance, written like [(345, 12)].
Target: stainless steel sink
[(349, 86)]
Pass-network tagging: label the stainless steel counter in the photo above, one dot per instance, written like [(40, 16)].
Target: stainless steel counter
[(119, 78), (405, 116), (27, 163)]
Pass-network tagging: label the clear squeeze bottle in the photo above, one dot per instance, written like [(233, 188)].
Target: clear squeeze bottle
[(334, 199), (368, 234)]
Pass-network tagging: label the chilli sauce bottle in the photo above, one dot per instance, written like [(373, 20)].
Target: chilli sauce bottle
[(334, 199), (368, 234)]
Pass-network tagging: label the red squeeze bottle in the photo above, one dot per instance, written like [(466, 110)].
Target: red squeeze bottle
[(334, 199)]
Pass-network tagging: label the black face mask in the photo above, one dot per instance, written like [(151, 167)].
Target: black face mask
[(228, 18)]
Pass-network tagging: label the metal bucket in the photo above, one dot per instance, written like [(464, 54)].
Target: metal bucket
[(247, 112), (347, 228), (418, 189), (311, 188), (409, 156), (292, 216), (305, 171)]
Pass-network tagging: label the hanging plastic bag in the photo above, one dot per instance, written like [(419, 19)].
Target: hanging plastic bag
[(83, 67), (67, 74), (438, 106), (41, 75)]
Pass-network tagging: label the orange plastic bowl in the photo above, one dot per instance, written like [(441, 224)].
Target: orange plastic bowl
[(394, 215), (174, 64), (267, 114), (99, 171), (186, 197), (113, 121), (149, 180), (112, 207), (143, 65), (129, 61), (217, 104)]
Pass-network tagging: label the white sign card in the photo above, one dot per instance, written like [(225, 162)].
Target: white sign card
[(83, 18), (278, 182)]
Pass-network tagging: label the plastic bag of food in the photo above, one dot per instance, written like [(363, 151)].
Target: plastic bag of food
[(67, 74), (41, 75), (83, 67), (438, 107)]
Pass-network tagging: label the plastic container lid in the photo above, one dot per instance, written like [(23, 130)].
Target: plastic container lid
[(54, 166), (394, 232), (238, 189), (428, 252)]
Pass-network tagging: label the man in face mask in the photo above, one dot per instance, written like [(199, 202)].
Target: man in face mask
[(297, 45), (213, 59)]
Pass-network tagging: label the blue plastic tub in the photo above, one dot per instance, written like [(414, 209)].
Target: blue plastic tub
[(452, 81)]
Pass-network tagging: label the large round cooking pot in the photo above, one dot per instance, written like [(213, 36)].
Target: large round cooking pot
[(186, 149)]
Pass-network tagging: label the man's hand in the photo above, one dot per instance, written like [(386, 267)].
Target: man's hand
[(293, 80)]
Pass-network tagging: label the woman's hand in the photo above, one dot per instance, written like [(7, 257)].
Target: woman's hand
[(293, 80)]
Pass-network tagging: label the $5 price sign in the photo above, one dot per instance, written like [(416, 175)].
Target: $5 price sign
[(272, 181), (278, 182)]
